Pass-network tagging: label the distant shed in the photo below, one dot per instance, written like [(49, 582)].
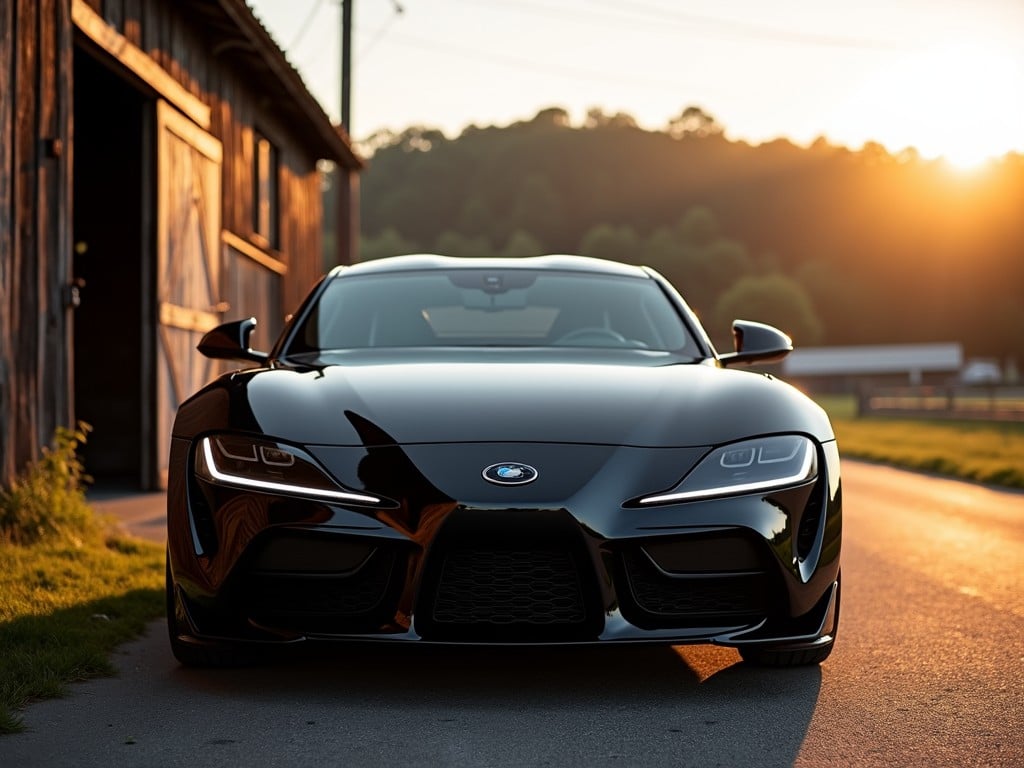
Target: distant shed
[(843, 367)]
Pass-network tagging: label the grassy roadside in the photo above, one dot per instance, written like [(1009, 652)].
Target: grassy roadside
[(984, 452), (71, 588), (64, 607)]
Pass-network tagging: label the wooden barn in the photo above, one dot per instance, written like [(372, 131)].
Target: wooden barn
[(160, 173)]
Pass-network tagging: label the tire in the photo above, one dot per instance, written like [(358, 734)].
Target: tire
[(192, 655)]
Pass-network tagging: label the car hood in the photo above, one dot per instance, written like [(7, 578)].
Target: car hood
[(625, 404)]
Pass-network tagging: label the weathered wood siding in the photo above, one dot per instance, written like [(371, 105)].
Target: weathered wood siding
[(214, 70), (35, 69), (235, 120), (212, 62)]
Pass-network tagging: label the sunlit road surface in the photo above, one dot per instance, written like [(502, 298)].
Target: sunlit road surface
[(929, 671)]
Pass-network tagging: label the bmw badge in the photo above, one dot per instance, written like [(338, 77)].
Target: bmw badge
[(510, 473)]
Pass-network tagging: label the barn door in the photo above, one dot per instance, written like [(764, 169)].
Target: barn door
[(188, 280)]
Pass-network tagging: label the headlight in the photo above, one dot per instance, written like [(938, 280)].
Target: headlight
[(269, 466), (747, 467)]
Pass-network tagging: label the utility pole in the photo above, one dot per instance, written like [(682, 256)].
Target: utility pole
[(347, 199), (346, 65)]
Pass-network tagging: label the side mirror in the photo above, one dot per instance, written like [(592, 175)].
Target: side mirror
[(756, 342), (230, 341)]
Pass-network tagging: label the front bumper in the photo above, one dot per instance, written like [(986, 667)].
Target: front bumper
[(262, 568)]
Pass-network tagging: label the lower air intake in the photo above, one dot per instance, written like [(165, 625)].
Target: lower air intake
[(497, 587)]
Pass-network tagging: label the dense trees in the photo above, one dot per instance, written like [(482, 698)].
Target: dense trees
[(836, 246)]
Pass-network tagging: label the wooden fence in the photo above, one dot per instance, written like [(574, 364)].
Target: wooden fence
[(980, 403)]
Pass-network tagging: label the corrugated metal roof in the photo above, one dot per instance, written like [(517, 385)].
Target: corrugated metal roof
[(265, 56), (873, 359)]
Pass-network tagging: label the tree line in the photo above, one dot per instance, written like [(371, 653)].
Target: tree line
[(834, 245)]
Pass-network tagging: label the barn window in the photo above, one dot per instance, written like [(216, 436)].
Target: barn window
[(265, 198)]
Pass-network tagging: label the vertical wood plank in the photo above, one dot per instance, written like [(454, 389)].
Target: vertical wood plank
[(53, 219), (8, 95), (133, 21), (23, 435), (35, 130)]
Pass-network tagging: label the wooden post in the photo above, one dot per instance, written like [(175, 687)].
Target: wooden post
[(347, 215)]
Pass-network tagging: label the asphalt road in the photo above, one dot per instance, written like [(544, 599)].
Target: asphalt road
[(928, 670)]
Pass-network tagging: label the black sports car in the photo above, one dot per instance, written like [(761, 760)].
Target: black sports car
[(537, 450)]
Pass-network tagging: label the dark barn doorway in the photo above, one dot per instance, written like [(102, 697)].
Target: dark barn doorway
[(112, 261)]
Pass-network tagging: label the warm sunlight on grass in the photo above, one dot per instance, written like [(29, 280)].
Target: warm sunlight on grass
[(986, 452), (64, 607), (71, 587)]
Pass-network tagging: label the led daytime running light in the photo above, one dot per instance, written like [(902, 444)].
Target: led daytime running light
[(274, 487), (800, 475)]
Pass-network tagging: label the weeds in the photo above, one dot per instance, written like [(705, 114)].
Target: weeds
[(47, 501), (71, 588)]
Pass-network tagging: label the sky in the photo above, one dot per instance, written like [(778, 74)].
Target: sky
[(943, 76)]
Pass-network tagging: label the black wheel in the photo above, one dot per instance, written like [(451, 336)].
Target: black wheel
[(766, 656), (189, 654)]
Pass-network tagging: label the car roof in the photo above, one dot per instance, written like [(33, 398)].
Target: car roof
[(431, 261)]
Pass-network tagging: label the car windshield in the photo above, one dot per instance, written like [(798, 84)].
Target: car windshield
[(488, 308)]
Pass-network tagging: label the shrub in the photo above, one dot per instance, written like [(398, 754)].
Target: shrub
[(47, 501)]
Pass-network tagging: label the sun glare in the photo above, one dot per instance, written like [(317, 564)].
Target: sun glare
[(961, 101)]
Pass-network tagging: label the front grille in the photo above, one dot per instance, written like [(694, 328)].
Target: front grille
[(696, 597), (497, 587)]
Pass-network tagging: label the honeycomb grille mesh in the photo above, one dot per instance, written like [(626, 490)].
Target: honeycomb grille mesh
[(724, 595), (498, 587)]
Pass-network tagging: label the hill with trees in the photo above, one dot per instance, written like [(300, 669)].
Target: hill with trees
[(836, 246)]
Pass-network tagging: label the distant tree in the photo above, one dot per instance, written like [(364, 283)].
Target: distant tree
[(1005, 323), (451, 243), (598, 118), (698, 227), (821, 144), (908, 155), (609, 242), (876, 154), (661, 249), (475, 218), (538, 208), (522, 243), (556, 117), (693, 121), (724, 262), (419, 138), (388, 243), (774, 299), (399, 206), (376, 141)]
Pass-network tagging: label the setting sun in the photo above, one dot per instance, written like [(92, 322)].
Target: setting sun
[(961, 101)]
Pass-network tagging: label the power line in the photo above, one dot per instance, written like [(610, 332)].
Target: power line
[(522, 63), (647, 15), (660, 14), (399, 10), (306, 24)]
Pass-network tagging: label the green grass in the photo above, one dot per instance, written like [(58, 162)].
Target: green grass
[(71, 588), (980, 451), (64, 607)]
